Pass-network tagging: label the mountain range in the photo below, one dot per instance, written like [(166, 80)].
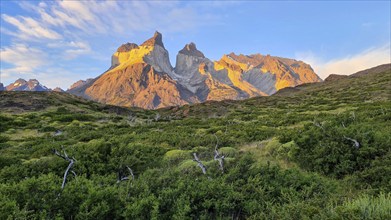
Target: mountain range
[(142, 76), (32, 85)]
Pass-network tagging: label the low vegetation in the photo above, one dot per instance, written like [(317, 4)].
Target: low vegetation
[(320, 152)]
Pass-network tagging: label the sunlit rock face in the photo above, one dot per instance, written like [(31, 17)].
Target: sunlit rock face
[(23, 85), (138, 85), (269, 74), (142, 76), (122, 54)]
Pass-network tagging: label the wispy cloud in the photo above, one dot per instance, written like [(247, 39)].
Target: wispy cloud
[(29, 29), (50, 34), (106, 17), (77, 49), (349, 64), (23, 59)]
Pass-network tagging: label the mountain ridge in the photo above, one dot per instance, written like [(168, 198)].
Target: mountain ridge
[(194, 79)]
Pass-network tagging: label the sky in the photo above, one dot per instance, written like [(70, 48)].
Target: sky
[(60, 42)]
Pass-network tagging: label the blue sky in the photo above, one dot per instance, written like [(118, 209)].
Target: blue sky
[(60, 42)]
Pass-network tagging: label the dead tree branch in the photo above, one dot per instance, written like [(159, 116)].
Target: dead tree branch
[(219, 157), (203, 168), (157, 117), (356, 144), (131, 172), (123, 178), (132, 119), (319, 125), (216, 148), (71, 162)]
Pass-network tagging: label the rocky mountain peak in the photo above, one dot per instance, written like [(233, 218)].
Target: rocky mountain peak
[(20, 81), (2, 87), (157, 39), (58, 89), (191, 50), (23, 85), (127, 47), (79, 83), (33, 81)]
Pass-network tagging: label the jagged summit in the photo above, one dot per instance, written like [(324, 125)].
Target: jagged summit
[(127, 47), (157, 39), (191, 50)]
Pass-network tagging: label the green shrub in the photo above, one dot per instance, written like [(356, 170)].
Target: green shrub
[(365, 207), (175, 156)]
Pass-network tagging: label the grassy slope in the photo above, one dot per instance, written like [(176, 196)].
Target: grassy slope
[(276, 131)]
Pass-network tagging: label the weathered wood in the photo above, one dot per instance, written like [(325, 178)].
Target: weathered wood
[(203, 168), (218, 157), (123, 178), (131, 172), (71, 162), (355, 142)]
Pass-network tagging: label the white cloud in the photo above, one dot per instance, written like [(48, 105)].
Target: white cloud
[(23, 59), (77, 49), (105, 17), (29, 28), (349, 64)]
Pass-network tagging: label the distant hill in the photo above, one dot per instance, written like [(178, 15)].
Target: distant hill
[(27, 101), (374, 70), (338, 82)]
